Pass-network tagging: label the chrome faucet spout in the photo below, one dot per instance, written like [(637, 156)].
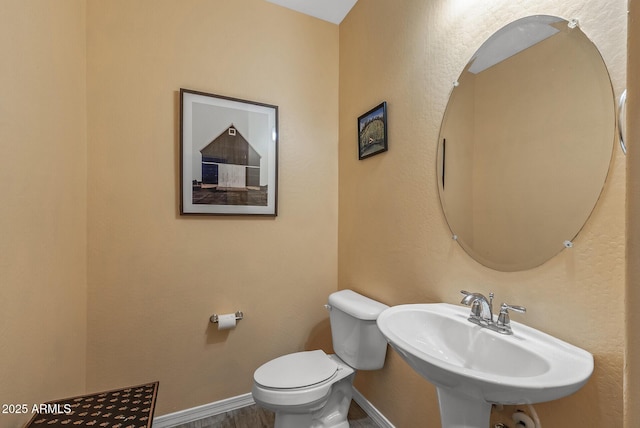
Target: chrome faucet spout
[(486, 310), (482, 312), (468, 299)]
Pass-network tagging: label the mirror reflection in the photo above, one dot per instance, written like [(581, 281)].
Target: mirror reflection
[(525, 143)]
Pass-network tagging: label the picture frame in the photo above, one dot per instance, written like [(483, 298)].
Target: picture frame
[(372, 132), (228, 155)]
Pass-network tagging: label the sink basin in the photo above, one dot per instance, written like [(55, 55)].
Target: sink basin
[(473, 367)]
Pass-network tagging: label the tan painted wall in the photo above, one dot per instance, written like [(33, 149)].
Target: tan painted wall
[(394, 243), (156, 277), (632, 362), (152, 284), (43, 210)]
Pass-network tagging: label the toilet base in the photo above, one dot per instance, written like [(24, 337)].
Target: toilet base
[(298, 421), (332, 414)]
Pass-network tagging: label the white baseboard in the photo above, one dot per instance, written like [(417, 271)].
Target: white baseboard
[(370, 410), (244, 400), (204, 411)]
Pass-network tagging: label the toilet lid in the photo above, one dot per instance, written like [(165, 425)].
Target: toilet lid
[(296, 370)]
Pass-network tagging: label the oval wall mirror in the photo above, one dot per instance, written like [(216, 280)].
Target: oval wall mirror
[(525, 143)]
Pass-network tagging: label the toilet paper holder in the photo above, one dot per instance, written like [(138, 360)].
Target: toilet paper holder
[(214, 318)]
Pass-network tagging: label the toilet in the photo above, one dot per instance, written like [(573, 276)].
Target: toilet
[(311, 389)]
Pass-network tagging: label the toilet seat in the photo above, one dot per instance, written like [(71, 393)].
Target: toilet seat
[(297, 398), (297, 370)]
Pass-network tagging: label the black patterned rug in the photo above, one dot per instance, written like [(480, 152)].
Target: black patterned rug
[(130, 407)]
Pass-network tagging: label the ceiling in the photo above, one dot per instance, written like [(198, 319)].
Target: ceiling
[(328, 10)]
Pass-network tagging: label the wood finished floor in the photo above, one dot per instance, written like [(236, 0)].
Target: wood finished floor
[(257, 417)]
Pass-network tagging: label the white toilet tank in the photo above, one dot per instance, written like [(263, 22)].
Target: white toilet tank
[(356, 337)]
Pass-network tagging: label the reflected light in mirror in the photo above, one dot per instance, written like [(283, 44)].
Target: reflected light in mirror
[(511, 40)]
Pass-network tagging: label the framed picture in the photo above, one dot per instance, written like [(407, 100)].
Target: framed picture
[(228, 155), (372, 132)]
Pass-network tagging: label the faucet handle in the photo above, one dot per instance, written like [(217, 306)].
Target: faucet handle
[(504, 323), (507, 307)]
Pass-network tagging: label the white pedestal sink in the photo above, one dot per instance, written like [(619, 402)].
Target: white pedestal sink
[(473, 367)]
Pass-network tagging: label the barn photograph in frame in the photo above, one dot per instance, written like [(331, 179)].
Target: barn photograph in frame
[(228, 155), (372, 132)]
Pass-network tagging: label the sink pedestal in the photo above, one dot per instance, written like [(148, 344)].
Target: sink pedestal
[(460, 411)]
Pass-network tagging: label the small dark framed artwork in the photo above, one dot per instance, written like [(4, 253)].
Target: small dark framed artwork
[(228, 155), (372, 132)]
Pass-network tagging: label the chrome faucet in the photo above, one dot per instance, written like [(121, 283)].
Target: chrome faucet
[(482, 312), (481, 307)]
